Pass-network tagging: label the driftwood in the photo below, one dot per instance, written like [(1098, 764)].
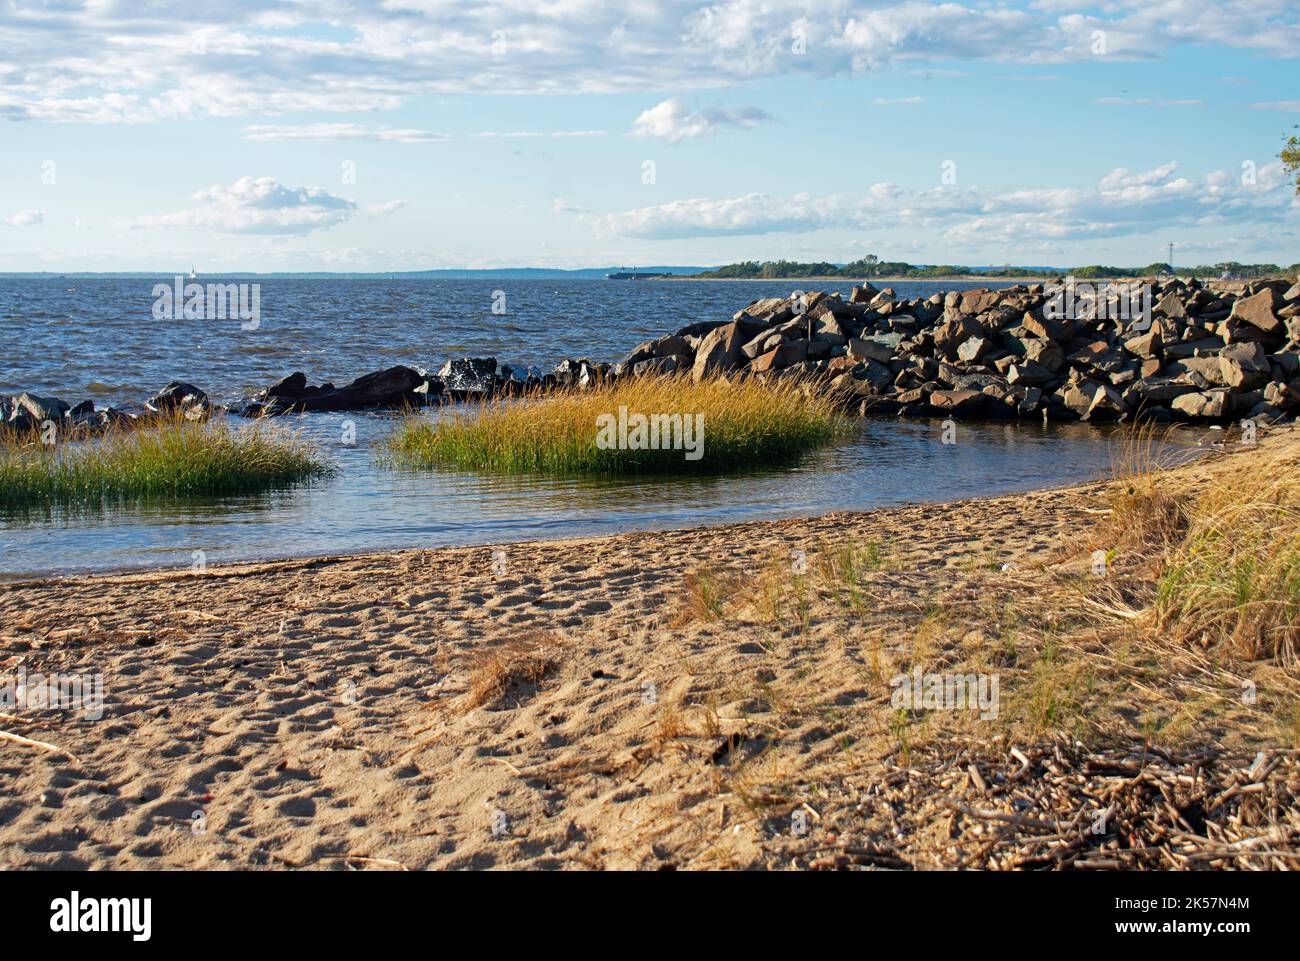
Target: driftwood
[(1058, 806)]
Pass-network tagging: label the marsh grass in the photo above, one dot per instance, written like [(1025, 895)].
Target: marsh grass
[(174, 458), (746, 424)]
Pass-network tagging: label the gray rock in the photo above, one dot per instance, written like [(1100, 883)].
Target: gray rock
[(1028, 374), (870, 349), (178, 396), (37, 408), (1243, 366), (473, 375)]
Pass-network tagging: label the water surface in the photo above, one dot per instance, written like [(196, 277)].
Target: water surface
[(78, 338)]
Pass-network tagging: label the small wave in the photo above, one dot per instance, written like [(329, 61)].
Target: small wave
[(98, 387), (263, 349)]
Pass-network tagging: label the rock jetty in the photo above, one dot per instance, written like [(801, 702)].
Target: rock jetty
[(1173, 350)]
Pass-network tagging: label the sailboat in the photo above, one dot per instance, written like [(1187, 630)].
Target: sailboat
[(193, 275)]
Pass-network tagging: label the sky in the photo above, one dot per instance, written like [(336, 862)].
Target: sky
[(287, 135)]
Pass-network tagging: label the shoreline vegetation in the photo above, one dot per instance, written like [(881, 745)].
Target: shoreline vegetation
[(168, 457), (720, 697), (667, 424)]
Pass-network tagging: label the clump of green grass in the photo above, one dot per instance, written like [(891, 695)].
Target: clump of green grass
[(748, 423), (173, 459), (1235, 578)]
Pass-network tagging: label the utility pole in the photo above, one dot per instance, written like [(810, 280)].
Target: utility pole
[(1171, 258)]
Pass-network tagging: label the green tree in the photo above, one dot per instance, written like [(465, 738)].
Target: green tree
[(1291, 160)]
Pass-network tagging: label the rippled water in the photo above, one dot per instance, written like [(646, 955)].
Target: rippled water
[(100, 340), (97, 338)]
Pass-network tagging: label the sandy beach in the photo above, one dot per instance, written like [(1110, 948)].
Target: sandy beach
[(706, 698)]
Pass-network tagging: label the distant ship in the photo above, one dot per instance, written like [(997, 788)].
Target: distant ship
[(633, 275)]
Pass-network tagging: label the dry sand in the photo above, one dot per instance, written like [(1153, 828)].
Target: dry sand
[(316, 713)]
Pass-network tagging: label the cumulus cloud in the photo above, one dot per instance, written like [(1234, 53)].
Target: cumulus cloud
[(26, 218), (673, 121), (103, 62), (258, 205), (338, 132), (1122, 203)]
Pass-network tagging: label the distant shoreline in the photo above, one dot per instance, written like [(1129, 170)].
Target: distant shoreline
[(959, 278)]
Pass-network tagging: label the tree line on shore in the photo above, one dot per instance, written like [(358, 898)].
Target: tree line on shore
[(872, 267)]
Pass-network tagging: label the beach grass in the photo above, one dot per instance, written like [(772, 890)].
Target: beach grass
[(1233, 581), (174, 458), (1215, 565), (646, 425)]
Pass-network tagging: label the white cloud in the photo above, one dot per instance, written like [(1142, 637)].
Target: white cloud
[(1122, 203), (25, 218), (1291, 105), (258, 205), (754, 213), (897, 101), (106, 62), (338, 132), (674, 122)]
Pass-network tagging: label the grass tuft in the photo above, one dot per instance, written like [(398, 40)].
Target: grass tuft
[(174, 459), (749, 423), (1234, 580), (510, 669)]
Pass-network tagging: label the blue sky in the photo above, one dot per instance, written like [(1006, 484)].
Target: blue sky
[(146, 135)]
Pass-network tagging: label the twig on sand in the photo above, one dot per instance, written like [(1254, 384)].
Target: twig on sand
[(41, 745), (384, 861)]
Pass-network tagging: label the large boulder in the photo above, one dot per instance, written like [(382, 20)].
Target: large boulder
[(473, 375), (865, 349), (36, 409), (1260, 311), (1244, 365), (962, 403), (180, 397), (394, 387), (952, 333), (1206, 405), (785, 354), (722, 348)]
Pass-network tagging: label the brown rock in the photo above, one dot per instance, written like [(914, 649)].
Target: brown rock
[(1260, 310)]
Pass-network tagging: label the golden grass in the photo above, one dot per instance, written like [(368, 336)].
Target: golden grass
[(509, 669), (709, 427), (171, 458)]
